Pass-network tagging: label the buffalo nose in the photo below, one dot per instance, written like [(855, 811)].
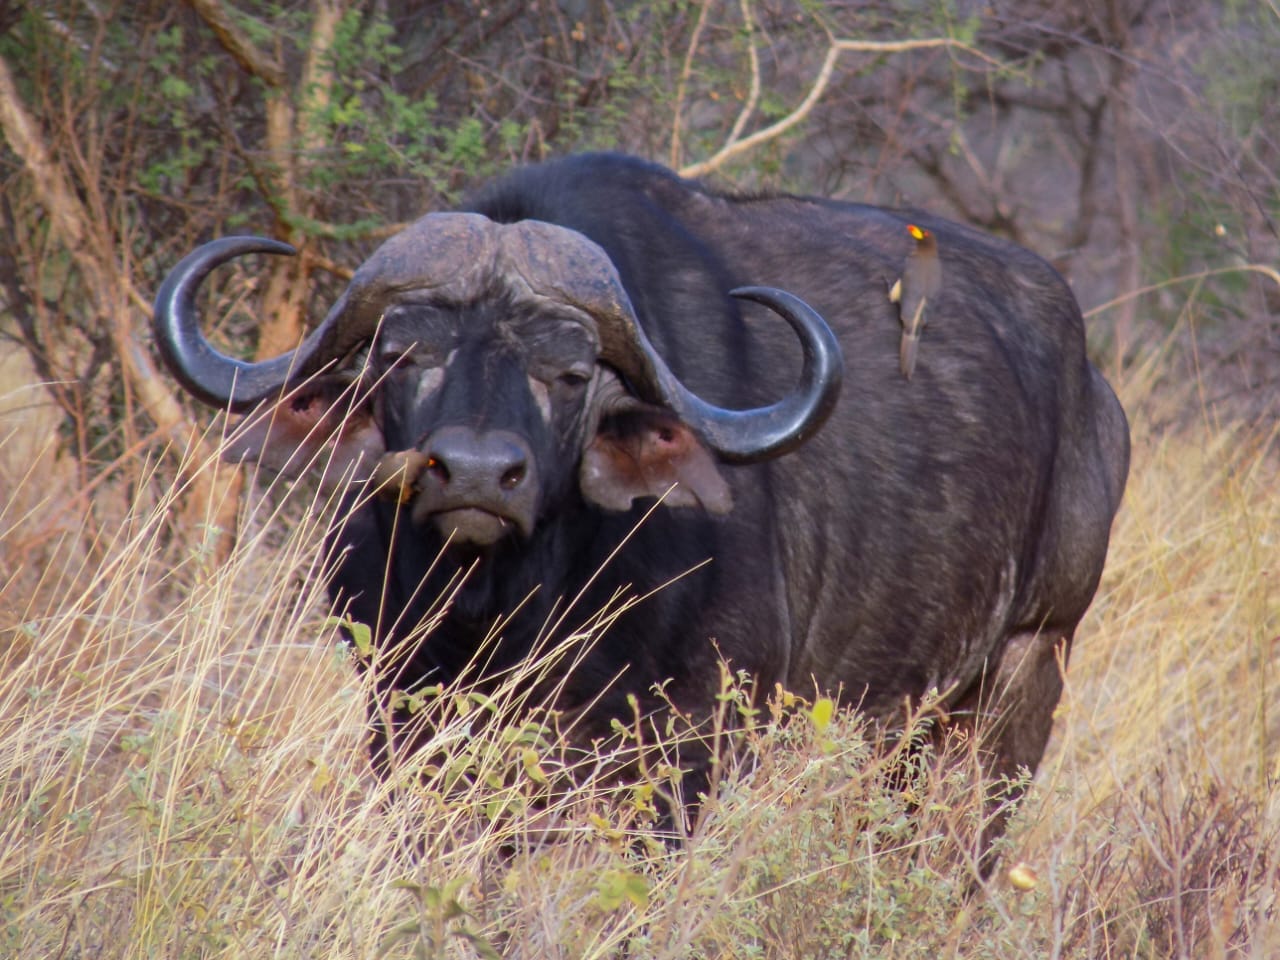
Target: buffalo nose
[(468, 461)]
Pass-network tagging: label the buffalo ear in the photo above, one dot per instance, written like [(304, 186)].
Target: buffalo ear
[(321, 426), (642, 452)]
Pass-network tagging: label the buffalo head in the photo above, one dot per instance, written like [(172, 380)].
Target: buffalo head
[(476, 370)]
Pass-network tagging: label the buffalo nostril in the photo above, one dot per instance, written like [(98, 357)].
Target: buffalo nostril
[(513, 477), (484, 466)]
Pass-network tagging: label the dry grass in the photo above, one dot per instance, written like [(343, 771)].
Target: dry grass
[(181, 769)]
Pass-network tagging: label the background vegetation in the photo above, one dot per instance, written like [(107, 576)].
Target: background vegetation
[(179, 731)]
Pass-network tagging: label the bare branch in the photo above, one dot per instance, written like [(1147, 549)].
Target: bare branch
[(733, 148), (68, 217), (285, 302), (214, 494), (237, 44), (55, 193), (753, 60), (685, 71), (317, 72)]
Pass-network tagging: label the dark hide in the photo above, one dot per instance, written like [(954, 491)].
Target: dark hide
[(946, 532)]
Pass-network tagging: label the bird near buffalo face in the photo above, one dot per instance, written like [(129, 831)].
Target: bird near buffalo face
[(528, 374)]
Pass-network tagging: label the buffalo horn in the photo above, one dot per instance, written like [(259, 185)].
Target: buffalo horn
[(565, 266), (751, 435), (456, 251), (207, 374), (435, 251)]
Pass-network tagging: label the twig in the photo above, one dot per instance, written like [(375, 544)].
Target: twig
[(1269, 272), (753, 57), (685, 71), (234, 41), (733, 148)]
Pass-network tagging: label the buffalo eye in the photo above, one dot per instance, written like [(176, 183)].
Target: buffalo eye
[(394, 356), (573, 379), (397, 357)]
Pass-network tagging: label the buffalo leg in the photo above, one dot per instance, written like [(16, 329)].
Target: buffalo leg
[(1011, 711)]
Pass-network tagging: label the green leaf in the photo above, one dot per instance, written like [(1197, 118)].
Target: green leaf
[(533, 766), (361, 635), (622, 886), (821, 713)]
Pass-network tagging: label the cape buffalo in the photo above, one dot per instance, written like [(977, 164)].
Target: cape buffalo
[(534, 370)]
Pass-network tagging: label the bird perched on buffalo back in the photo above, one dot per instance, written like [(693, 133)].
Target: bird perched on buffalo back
[(920, 281)]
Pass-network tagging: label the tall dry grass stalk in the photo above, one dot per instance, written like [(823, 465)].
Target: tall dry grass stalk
[(182, 768), (1157, 817)]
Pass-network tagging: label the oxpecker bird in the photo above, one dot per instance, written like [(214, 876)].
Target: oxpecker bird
[(920, 280)]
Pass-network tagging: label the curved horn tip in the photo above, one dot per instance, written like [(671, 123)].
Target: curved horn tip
[(774, 297), (752, 436), (186, 277), (208, 375), (817, 339)]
